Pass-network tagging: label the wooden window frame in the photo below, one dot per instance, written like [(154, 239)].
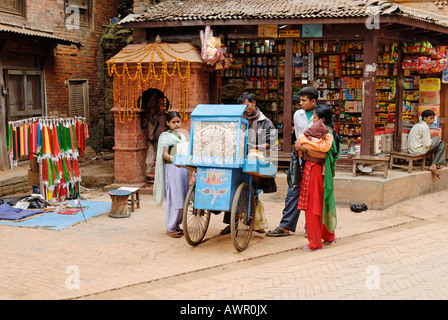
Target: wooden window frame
[(85, 98), (26, 113), (20, 11)]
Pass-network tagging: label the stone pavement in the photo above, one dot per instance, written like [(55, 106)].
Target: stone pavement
[(397, 253)]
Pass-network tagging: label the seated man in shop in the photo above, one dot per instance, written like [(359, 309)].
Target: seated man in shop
[(420, 142)]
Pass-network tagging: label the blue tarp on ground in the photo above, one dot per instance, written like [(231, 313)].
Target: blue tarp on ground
[(10, 213), (54, 221)]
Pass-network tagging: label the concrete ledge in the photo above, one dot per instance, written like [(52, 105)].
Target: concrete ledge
[(15, 180), (377, 193)]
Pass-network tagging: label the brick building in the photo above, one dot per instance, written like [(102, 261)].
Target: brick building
[(52, 63)]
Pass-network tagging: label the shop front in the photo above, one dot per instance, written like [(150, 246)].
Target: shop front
[(407, 74)]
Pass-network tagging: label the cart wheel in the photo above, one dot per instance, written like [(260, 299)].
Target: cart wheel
[(241, 223), (195, 221)]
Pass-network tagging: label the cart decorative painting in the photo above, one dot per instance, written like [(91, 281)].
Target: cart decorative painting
[(214, 180)]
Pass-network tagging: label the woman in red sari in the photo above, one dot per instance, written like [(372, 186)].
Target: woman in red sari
[(316, 194)]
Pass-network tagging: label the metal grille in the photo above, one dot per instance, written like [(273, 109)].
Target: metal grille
[(78, 98)]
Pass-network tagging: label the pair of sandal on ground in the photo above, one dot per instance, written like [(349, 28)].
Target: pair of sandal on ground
[(279, 232), (176, 234)]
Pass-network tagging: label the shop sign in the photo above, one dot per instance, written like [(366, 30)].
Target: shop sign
[(289, 33), (311, 30), (267, 31)]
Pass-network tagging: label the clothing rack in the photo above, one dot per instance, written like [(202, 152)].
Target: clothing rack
[(56, 142)]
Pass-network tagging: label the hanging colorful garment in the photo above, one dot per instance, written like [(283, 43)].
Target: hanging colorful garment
[(39, 136), (46, 141), (30, 141), (74, 142), (67, 140), (26, 139), (75, 168), (44, 175), (80, 137), (57, 142), (16, 144), (55, 139), (9, 139), (33, 137)]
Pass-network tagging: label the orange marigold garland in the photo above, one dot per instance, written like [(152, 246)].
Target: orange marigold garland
[(127, 88)]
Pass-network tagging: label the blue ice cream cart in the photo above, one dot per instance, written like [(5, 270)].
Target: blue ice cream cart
[(217, 151)]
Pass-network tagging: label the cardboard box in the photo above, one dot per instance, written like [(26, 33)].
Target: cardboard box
[(435, 108), (430, 84), (430, 98), (33, 178), (34, 166)]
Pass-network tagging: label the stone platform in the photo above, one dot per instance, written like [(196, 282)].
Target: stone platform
[(371, 189)]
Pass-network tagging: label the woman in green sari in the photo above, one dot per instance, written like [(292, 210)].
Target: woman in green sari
[(317, 191)]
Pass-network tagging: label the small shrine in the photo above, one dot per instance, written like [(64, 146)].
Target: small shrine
[(148, 81)]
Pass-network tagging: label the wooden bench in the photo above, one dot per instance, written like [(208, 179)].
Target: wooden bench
[(370, 160), (407, 158), (135, 197)]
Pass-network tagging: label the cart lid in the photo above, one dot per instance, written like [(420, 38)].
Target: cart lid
[(219, 110)]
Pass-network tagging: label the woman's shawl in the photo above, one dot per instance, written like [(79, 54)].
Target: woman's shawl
[(166, 139), (329, 218)]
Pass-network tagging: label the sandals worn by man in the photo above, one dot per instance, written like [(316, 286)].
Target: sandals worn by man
[(278, 232), (433, 169)]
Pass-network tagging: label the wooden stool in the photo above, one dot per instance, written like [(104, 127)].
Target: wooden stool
[(370, 160), (135, 197), (119, 203), (405, 156)]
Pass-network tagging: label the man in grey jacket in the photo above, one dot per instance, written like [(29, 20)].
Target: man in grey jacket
[(260, 136), (261, 129)]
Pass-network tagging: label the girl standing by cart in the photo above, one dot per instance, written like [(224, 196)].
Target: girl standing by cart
[(317, 193), (171, 182)]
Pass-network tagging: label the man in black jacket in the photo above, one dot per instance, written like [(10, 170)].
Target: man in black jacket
[(260, 136)]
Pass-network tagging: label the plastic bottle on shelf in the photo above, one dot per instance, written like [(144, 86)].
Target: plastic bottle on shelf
[(377, 143)]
